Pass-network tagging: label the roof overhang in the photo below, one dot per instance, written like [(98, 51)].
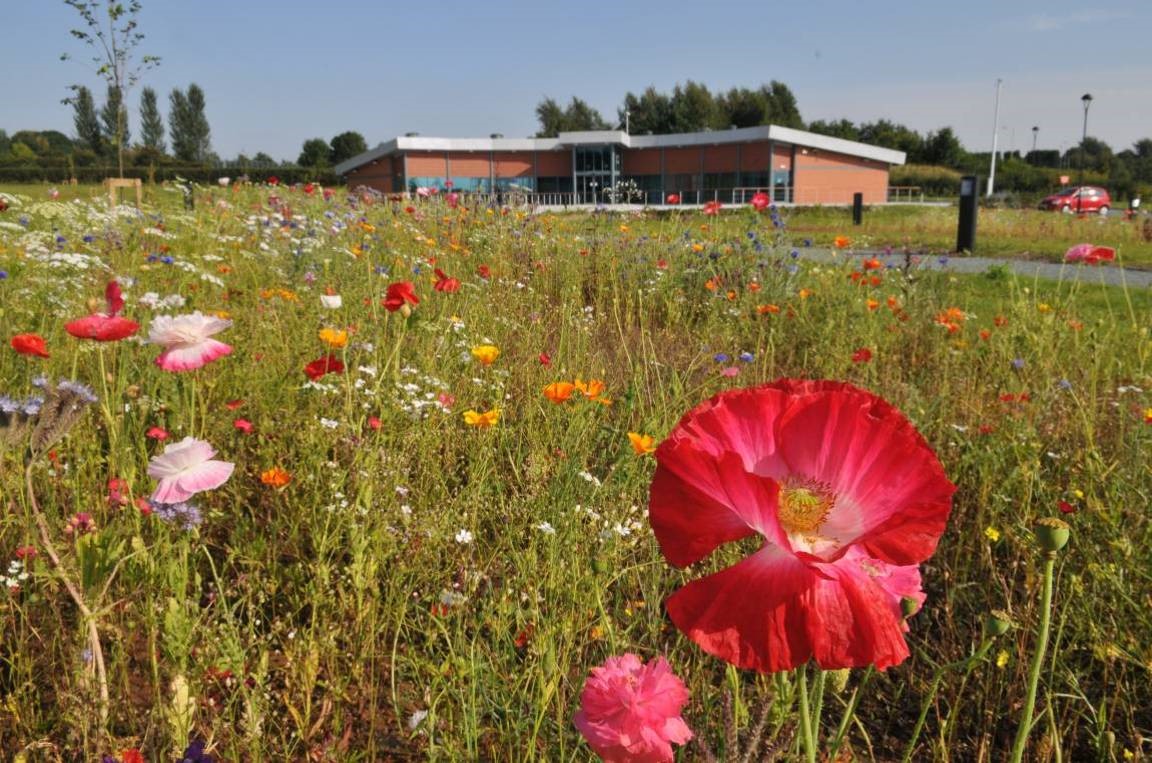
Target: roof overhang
[(617, 137)]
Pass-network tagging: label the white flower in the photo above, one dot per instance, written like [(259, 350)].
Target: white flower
[(416, 719), (546, 528), (331, 301), (329, 423), (464, 537)]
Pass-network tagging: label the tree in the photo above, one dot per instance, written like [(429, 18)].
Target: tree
[(201, 133), (694, 108), (942, 148), (5, 144), (891, 135), (151, 124), (782, 108), (188, 125), (650, 114), (840, 128), (346, 145), (114, 117), (84, 118), (263, 161), (111, 31), (741, 107), (576, 117), (314, 153)]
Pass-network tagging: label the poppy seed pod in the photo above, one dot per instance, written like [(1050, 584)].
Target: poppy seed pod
[(1052, 533), (997, 623)]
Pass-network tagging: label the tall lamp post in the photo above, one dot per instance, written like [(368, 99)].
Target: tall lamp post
[(995, 133), (1035, 134), (1086, 99)]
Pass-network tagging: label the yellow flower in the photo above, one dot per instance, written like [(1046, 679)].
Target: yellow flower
[(275, 477), (1002, 658), (486, 353), (223, 314), (482, 420), (591, 389), (992, 534), (643, 444), (334, 337), (805, 293), (1044, 307)]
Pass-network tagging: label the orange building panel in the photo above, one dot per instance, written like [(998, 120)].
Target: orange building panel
[(554, 163), (783, 158), (720, 158), (427, 164), (826, 178), (680, 161), (754, 157), (641, 161), (469, 164), (514, 164)]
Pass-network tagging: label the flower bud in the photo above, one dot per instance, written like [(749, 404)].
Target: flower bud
[(997, 622), (909, 606), (1052, 533), (839, 679)]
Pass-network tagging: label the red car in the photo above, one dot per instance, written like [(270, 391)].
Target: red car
[(1088, 198)]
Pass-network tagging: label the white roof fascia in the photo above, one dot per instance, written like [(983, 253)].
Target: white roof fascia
[(836, 145)]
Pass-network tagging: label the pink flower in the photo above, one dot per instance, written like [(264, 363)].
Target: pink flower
[(186, 340), (730, 371), (244, 425), (760, 201), (630, 711), (1090, 254), (846, 499), (157, 433), (186, 468)]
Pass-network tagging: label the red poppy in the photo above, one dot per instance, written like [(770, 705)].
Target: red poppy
[(545, 359), (673, 198), (30, 344), (233, 404), (760, 201), (862, 355), (484, 272), (244, 425), (848, 500), (105, 327), (309, 188), (399, 293), (712, 208), (329, 364), (273, 180), (446, 284), (157, 433)]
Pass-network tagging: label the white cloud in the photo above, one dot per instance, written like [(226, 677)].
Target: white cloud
[(1049, 23)]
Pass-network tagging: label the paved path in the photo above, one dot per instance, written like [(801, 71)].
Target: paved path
[(1091, 274)]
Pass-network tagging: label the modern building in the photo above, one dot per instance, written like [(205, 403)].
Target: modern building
[(792, 166)]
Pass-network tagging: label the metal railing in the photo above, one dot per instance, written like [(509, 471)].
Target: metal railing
[(905, 194)]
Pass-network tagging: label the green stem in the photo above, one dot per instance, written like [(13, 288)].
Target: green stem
[(1037, 661), (853, 703), (818, 705), (806, 717)]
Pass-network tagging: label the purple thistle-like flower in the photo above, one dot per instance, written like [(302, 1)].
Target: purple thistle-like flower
[(195, 754), (83, 391), (184, 515)]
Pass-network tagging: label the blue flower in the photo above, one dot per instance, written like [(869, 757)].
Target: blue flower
[(807, 242), (1065, 385), (167, 260), (747, 357), (1018, 363), (721, 357), (185, 515), (83, 391), (3, 274), (795, 253)]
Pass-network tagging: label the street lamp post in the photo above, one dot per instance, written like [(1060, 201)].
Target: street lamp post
[(1035, 134), (1086, 99), (995, 133)]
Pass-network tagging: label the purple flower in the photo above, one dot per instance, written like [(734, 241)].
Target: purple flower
[(1018, 364)]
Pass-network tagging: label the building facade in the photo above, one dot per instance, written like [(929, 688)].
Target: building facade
[(792, 166)]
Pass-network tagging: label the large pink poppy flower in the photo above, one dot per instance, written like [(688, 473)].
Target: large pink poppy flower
[(186, 468), (108, 326), (848, 499), (186, 340), (630, 711)]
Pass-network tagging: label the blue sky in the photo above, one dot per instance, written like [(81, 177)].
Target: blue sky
[(277, 73)]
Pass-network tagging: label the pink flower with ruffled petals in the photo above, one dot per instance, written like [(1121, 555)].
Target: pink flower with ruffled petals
[(1090, 254), (186, 468), (630, 711), (847, 498), (187, 340)]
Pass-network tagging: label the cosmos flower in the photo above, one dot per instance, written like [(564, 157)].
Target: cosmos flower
[(630, 711), (186, 468), (848, 500), (108, 326)]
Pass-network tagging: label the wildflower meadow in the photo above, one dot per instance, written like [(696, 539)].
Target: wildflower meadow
[(305, 473)]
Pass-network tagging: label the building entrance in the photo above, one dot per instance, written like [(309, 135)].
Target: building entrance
[(596, 171)]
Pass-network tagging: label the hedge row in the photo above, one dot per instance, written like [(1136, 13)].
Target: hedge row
[(199, 174)]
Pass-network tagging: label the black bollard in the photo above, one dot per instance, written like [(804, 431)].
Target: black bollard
[(857, 208), (966, 230)]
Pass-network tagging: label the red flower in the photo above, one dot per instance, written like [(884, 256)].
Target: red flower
[(105, 327), (157, 433), (273, 180), (399, 293), (712, 208), (484, 272), (329, 364), (848, 499), (862, 355), (233, 404), (673, 198), (309, 188), (545, 359), (446, 284), (30, 344), (760, 201), (131, 755), (374, 423), (1066, 508), (244, 425)]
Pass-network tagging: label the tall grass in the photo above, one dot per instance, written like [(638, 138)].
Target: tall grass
[(346, 616)]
